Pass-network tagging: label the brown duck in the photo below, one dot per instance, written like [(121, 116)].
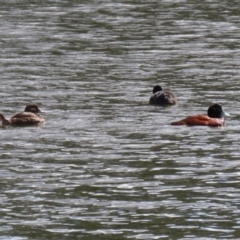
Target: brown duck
[(161, 97), (214, 118), (28, 117)]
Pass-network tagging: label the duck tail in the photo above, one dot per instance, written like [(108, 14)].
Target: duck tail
[(4, 120), (181, 122)]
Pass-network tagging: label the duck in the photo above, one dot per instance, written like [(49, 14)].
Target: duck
[(214, 118), (161, 97), (28, 117)]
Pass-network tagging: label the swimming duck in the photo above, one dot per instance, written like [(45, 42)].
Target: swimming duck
[(214, 118), (28, 117), (161, 97)]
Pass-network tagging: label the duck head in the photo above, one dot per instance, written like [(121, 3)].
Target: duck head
[(157, 88), (216, 111), (32, 108)]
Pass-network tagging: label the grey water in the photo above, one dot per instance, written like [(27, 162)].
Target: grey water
[(106, 164)]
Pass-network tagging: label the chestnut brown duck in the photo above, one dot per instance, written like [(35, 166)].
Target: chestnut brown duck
[(214, 118), (28, 117)]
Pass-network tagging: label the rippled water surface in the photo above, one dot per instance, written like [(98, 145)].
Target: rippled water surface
[(106, 164)]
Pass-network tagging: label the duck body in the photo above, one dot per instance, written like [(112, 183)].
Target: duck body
[(200, 120), (28, 117), (213, 119), (161, 97)]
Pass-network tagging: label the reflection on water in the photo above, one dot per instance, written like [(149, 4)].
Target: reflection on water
[(106, 164)]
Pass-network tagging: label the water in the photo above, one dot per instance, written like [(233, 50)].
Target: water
[(107, 165)]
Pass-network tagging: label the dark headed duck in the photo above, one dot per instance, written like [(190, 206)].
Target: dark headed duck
[(161, 97), (28, 117), (214, 118)]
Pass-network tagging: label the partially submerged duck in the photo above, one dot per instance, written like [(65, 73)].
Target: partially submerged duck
[(28, 117), (214, 118), (161, 97)]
